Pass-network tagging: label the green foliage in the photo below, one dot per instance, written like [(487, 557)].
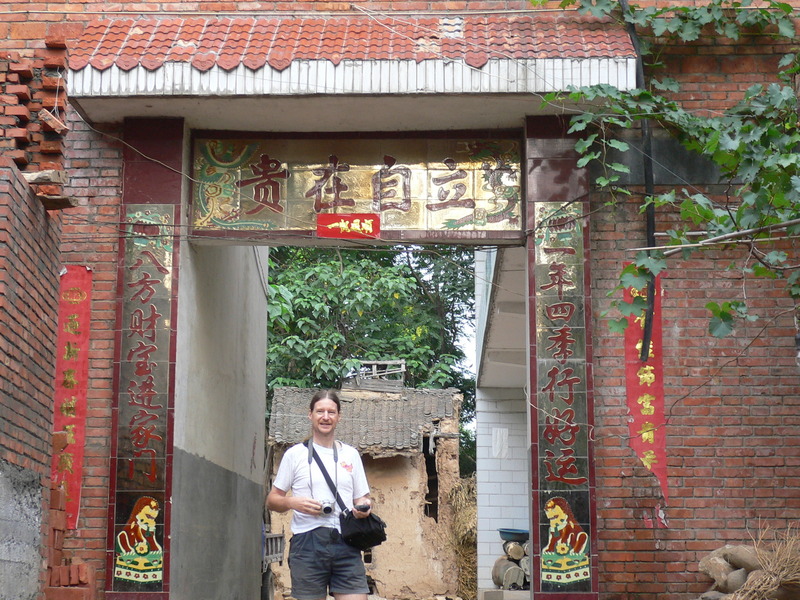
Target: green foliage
[(722, 318), (331, 309), (726, 18), (754, 144), (467, 456)]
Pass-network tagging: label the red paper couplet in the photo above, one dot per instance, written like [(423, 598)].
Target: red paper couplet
[(71, 384)]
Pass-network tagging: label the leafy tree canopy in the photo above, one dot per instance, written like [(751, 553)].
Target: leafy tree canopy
[(753, 143), (331, 309)]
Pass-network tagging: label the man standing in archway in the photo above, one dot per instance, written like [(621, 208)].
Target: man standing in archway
[(319, 560)]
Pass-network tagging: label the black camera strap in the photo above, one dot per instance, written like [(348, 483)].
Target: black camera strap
[(311, 453)]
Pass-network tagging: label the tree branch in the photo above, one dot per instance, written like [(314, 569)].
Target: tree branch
[(734, 236)]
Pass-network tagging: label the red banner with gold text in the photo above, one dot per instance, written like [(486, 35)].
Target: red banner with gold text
[(645, 391), (353, 226), (71, 383)]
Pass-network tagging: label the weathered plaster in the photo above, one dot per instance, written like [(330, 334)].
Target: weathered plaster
[(418, 559)]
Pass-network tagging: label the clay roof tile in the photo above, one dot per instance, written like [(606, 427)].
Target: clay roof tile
[(108, 46), (377, 422), (204, 61), (252, 42), (286, 39), (92, 37), (135, 45), (310, 40), (261, 39), (235, 47), (162, 41)]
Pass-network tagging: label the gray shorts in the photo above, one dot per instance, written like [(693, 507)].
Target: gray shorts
[(321, 563)]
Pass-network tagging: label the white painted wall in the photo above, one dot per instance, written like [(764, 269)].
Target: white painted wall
[(503, 441), (218, 454), (221, 357), (503, 473), (485, 261)]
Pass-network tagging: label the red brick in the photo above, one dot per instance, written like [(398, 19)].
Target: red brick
[(54, 556), (50, 147), (54, 83), (20, 112), (28, 31), (58, 520), (57, 101), (68, 30), (23, 92), (68, 593), (19, 134), (86, 574), (20, 157), (60, 440), (51, 122), (58, 538), (58, 499), (59, 42), (23, 68), (49, 190), (55, 62)]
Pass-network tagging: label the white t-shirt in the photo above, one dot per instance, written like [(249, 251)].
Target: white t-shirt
[(295, 474)]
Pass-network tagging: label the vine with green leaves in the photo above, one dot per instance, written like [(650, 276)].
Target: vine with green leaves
[(754, 145)]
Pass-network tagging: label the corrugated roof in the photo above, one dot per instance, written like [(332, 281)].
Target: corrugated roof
[(375, 422), (254, 42)]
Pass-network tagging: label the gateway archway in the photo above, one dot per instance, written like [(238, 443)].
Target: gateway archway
[(197, 377), (442, 149), (189, 430)]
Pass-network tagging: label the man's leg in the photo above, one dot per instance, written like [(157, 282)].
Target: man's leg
[(348, 575), (310, 564), (350, 596)]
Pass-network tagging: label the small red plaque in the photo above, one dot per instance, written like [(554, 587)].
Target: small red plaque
[(362, 226)]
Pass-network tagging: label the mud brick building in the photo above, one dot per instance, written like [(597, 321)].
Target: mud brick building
[(408, 439), (150, 153)]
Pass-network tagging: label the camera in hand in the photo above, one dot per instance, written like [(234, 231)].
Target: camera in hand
[(327, 507)]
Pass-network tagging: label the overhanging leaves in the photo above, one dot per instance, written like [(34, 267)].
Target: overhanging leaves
[(754, 143)]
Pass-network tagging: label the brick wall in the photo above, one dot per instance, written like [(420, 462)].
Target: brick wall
[(714, 72), (34, 100), (93, 159), (704, 453), (67, 578), (32, 57), (29, 267), (733, 447), (502, 452)]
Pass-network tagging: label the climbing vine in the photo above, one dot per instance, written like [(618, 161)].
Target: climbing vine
[(754, 144)]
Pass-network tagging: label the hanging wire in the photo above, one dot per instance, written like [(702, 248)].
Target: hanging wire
[(646, 152), (184, 229)]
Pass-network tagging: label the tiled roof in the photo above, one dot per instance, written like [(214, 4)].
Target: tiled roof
[(382, 423), (255, 42)]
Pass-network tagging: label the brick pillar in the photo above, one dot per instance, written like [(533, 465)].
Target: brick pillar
[(66, 579), (563, 561), (141, 465)]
